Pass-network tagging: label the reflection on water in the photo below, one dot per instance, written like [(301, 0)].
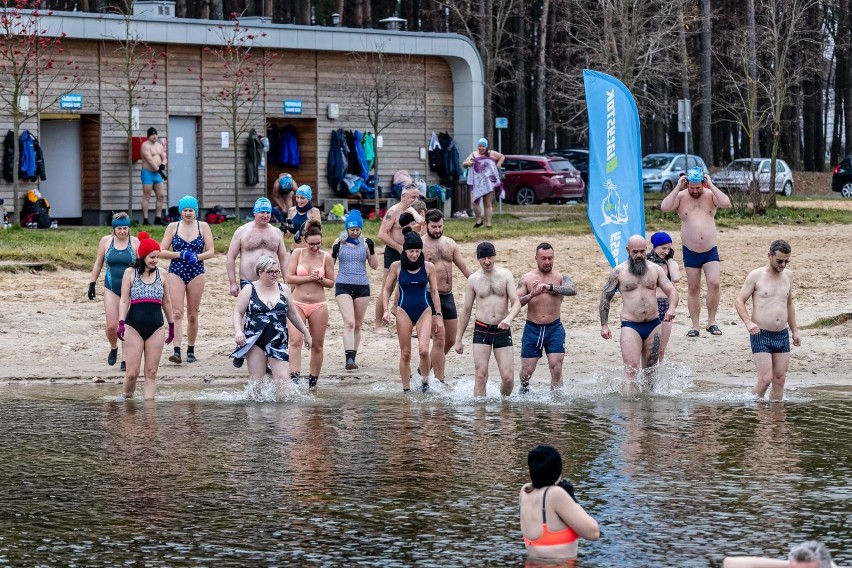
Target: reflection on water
[(210, 477)]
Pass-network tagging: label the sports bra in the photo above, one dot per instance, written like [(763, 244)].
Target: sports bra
[(302, 271), (549, 537)]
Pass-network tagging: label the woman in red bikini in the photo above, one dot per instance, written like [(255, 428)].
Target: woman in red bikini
[(551, 519), (309, 272)]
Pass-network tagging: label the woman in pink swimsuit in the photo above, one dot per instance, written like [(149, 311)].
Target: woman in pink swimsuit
[(309, 272)]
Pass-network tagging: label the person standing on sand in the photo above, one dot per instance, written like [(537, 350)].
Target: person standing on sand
[(696, 208), (493, 290), (770, 289), (542, 291)]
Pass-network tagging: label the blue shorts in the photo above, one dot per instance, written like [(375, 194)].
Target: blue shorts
[(549, 337), (770, 341), (643, 328), (150, 178), (699, 259)]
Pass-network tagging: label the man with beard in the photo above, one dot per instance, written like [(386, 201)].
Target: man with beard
[(492, 287), (542, 291), (696, 208), (770, 290), (637, 279), (443, 252)]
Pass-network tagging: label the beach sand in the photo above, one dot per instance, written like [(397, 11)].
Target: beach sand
[(50, 330)]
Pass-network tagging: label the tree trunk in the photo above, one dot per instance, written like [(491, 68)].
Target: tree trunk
[(541, 79), (367, 16), (303, 15), (517, 141), (16, 128), (751, 32), (486, 34), (705, 64)]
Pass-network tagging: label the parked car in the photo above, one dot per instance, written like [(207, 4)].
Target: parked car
[(530, 179), (660, 171), (737, 175), (579, 159), (841, 181)]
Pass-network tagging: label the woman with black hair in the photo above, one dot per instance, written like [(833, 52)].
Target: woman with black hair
[(552, 523)]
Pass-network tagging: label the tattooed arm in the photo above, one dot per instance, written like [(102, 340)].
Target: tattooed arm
[(609, 290), (568, 287)]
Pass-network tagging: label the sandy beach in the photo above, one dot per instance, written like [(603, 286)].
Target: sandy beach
[(51, 331)]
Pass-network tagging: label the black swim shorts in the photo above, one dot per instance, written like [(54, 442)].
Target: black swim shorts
[(487, 334)]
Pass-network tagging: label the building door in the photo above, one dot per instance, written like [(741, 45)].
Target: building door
[(63, 188), (183, 158)]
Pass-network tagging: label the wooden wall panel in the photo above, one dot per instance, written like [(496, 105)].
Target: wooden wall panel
[(90, 134), (183, 72)]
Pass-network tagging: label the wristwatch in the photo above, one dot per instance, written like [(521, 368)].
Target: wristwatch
[(439, 314)]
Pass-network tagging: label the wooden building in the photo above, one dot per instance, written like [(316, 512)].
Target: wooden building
[(310, 68)]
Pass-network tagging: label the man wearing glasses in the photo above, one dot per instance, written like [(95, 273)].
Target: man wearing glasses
[(770, 288)]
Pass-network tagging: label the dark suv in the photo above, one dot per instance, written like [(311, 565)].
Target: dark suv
[(841, 181), (530, 179)]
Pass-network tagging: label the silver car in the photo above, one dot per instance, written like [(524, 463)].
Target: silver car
[(738, 175), (660, 171)]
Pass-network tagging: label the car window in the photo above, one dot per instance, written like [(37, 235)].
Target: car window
[(561, 166), (511, 165), (740, 166), (692, 161), (764, 167), (655, 162), (530, 165), (780, 167), (677, 165)]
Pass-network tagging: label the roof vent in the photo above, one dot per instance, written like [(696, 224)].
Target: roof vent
[(393, 23), (154, 8)]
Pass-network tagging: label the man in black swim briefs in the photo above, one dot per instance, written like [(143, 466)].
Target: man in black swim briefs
[(637, 280)]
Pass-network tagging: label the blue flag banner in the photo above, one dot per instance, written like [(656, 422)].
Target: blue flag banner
[(615, 197)]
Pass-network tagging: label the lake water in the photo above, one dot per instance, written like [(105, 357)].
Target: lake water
[(368, 477)]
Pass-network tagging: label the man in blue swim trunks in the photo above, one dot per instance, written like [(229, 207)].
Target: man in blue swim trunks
[(770, 288), (637, 278), (696, 199), (152, 173), (542, 291)]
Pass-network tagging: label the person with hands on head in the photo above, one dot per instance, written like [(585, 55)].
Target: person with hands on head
[(696, 199), (311, 271), (770, 289), (493, 290), (390, 233), (552, 522), (282, 192), (144, 301), (115, 252), (260, 322), (191, 242), (353, 252), (413, 275), (662, 254), (637, 279)]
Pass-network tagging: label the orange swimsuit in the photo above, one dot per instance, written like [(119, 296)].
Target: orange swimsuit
[(549, 537), (308, 308)]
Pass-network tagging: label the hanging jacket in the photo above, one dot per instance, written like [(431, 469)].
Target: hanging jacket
[(360, 157), (369, 144), (290, 154), (450, 157), (436, 157), (354, 165), (41, 172), (254, 153), (9, 157), (28, 158), (337, 162), (274, 137)]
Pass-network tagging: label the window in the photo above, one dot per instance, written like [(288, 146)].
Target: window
[(678, 164), (511, 165), (561, 166), (530, 165)]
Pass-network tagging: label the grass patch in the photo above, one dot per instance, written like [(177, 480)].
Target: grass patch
[(75, 247), (831, 321)]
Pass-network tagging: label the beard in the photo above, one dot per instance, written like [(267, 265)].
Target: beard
[(436, 235), (545, 269), (637, 267)]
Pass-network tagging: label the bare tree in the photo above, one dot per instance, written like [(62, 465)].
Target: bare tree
[(380, 88), (29, 70), (234, 83), (130, 69)]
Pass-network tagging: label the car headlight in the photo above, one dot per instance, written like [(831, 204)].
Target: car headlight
[(655, 177)]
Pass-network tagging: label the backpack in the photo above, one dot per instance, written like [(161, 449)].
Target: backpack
[(216, 215)]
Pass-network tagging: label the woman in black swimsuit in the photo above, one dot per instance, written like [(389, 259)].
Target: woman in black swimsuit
[(144, 302)]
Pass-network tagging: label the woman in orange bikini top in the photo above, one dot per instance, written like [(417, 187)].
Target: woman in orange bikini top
[(551, 522), (309, 272)]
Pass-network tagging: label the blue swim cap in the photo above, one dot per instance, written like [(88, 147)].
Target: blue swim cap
[(695, 175), (483, 141), (188, 202), (286, 182), (305, 191), (354, 220), (262, 205), (661, 238)]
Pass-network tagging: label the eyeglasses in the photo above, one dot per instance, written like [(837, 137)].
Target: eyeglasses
[(273, 272), (314, 245)]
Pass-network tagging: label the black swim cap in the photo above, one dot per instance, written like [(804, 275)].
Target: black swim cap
[(412, 241), (545, 465), (406, 219), (485, 249), (151, 131)]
